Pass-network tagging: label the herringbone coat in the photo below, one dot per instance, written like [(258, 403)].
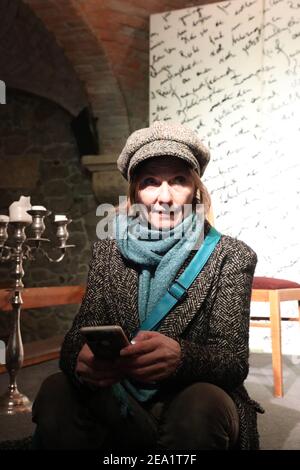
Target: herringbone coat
[(211, 323)]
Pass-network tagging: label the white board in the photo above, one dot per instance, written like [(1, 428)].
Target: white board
[(230, 71)]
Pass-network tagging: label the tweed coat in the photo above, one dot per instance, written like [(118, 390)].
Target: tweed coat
[(211, 323)]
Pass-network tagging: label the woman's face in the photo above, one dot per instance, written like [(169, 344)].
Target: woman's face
[(164, 185)]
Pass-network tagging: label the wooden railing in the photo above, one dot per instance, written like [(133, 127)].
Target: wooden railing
[(40, 297)]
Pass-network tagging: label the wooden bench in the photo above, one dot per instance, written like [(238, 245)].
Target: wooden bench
[(40, 297)]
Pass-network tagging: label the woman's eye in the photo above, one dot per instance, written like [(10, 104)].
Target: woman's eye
[(149, 181), (179, 180)]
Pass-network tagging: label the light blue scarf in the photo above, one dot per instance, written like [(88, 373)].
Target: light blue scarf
[(159, 255)]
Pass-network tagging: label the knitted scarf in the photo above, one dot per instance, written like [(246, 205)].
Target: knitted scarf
[(158, 253)]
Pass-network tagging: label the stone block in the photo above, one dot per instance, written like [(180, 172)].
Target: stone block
[(20, 172), (108, 186)]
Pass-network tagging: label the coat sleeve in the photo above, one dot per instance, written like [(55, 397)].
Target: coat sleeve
[(223, 359), (92, 311)]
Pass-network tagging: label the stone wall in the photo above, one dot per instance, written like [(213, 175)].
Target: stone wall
[(39, 157)]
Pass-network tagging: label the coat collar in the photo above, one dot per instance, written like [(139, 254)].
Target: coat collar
[(126, 284)]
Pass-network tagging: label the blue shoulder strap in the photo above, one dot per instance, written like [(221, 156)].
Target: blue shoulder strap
[(178, 289)]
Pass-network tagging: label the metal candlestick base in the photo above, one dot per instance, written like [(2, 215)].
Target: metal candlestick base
[(13, 402)]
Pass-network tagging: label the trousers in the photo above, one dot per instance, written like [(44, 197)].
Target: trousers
[(198, 417)]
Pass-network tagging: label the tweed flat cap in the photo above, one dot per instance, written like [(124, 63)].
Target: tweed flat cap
[(163, 139)]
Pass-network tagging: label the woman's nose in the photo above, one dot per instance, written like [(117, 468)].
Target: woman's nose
[(164, 193)]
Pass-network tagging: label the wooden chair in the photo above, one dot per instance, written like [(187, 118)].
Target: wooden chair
[(275, 291), (39, 297)]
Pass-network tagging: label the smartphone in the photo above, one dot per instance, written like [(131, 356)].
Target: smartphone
[(105, 341)]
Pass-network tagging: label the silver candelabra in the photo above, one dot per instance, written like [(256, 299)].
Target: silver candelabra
[(18, 249)]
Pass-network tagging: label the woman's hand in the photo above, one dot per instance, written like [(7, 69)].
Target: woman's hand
[(100, 372), (152, 356)]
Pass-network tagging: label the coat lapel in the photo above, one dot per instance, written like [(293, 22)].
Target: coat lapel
[(124, 286), (184, 312)]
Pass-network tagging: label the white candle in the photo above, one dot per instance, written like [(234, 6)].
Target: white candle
[(60, 218), (4, 218), (18, 210), (38, 208)]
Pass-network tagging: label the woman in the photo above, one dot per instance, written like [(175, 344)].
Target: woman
[(179, 385)]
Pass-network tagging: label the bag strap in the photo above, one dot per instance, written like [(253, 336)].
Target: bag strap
[(178, 290)]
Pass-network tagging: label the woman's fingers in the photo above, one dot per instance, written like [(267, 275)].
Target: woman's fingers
[(85, 355), (151, 356), (139, 347), (142, 335), (143, 342), (150, 373), (139, 361)]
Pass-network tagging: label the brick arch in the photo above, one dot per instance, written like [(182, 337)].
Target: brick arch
[(30, 58)]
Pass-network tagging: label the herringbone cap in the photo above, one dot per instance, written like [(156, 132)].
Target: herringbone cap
[(163, 139)]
